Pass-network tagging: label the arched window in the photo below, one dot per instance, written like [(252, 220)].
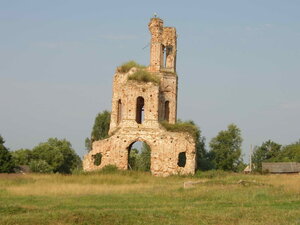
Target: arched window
[(167, 111), (139, 110), (163, 56), (168, 57), (119, 116)]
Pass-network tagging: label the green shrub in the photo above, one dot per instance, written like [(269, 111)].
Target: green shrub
[(97, 159), (125, 67), (109, 169), (40, 166), (181, 127), (144, 76), (7, 164)]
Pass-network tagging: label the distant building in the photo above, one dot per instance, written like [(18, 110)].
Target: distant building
[(281, 167)]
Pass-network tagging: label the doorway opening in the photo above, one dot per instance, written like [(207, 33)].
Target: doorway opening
[(139, 156)]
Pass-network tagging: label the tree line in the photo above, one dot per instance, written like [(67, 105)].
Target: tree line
[(52, 156), (224, 153)]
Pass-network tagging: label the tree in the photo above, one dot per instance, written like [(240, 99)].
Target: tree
[(266, 151), (22, 156), (289, 153), (40, 166), (203, 161), (6, 162), (58, 154), (144, 158), (226, 149), (140, 160), (100, 129), (133, 158)]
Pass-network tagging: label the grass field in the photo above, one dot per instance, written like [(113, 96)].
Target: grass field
[(138, 198)]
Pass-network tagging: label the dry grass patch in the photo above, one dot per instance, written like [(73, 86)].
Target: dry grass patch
[(144, 76), (130, 197), (125, 67)]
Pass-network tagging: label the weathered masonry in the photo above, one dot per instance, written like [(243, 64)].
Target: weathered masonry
[(138, 107)]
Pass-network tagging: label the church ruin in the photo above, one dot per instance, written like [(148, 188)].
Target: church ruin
[(139, 107)]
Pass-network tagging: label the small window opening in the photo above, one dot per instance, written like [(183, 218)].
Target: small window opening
[(119, 116), (139, 110), (167, 111), (168, 58), (163, 56), (97, 159), (181, 159)]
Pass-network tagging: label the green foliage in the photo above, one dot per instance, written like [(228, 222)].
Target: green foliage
[(101, 126), (132, 159), (58, 154), (40, 166), (100, 129), (226, 149), (144, 161), (289, 153), (144, 76), (125, 67), (88, 144), (266, 151), (109, 169), (134, 197), (140, 161), (6, 162), (97, 159), (22, 156)]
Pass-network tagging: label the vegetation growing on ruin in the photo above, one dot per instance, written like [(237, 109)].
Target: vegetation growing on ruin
[(125, 67), (180, 126), (144, 76)]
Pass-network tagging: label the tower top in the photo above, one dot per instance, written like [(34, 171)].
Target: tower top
[(163, 46)]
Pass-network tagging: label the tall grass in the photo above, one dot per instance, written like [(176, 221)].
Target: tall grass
[(181, 127), (133, 197), (144, 76), (125, 67)]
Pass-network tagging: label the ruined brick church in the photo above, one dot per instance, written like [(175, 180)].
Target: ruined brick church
[(138, 107)]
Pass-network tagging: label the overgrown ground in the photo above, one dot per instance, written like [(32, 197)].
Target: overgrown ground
[(138, 198)]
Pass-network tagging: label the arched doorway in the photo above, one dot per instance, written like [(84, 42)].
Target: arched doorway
[(139, 156)]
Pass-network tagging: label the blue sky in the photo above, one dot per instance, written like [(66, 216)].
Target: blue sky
[(238, 62)]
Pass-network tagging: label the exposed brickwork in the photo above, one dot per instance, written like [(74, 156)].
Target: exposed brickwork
[(158, 102)]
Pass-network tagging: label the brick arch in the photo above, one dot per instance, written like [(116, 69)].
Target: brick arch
[(137, 139)]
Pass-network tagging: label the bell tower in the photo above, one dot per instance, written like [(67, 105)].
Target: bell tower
[(163, 46), (140, 108)]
